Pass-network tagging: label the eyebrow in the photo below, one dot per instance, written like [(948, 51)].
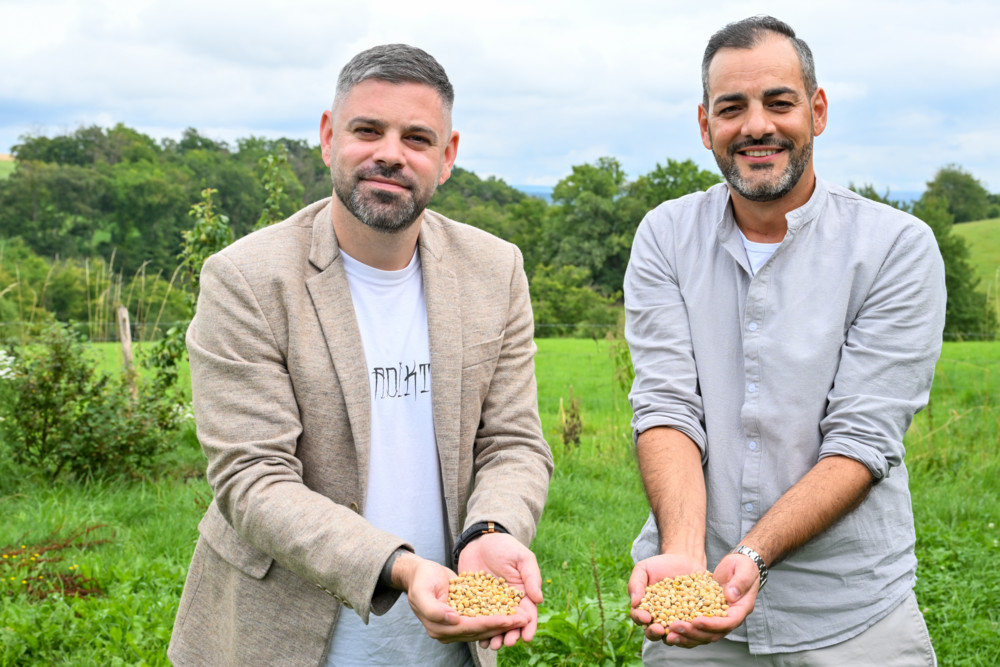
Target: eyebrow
[(742, 97), (381, 125)]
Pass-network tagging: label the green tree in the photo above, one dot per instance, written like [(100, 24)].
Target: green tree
[(564, 303), (965, 197), (590, 225), (967, 313), (276, 178), (671, 181)]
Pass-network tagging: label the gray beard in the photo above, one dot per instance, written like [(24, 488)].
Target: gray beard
[(386, 212), (763, 192)]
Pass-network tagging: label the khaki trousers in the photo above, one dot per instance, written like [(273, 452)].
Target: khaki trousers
[(898, 640)]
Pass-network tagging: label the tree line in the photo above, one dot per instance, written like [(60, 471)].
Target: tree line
[(103, 210)]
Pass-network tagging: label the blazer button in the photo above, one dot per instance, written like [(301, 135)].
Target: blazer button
[(354, 508)]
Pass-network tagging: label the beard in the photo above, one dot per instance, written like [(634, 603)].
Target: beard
[(775, 188), (387, 212)]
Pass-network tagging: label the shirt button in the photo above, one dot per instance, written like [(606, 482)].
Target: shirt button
[(752, 326), (751, 387), (748, 507), (752, 445)]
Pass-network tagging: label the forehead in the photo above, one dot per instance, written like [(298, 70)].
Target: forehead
[(771, 63), (405, 103)]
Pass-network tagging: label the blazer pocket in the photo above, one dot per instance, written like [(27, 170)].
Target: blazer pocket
[(478, 353), (232, 548)]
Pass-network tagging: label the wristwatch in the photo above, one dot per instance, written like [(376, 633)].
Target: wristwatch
[(757, 560), (474, 531)]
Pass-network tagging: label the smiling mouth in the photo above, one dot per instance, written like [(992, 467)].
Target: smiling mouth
[(761, 153)]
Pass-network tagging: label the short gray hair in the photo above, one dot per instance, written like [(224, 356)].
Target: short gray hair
[(395, 63), (747, 34)]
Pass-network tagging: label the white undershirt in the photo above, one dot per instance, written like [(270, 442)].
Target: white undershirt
[(404, 494), (757, 253)]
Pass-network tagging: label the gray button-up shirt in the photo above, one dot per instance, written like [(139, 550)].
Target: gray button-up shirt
[(828, 350)]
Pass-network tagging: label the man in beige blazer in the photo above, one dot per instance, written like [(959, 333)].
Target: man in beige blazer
[(283, 400)]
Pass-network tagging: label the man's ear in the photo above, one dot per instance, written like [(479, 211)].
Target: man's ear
[(450, 153), (706, 133), (819, 109), (326, 136)]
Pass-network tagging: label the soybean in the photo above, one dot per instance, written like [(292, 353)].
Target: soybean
[(482, 594), (684, 598)]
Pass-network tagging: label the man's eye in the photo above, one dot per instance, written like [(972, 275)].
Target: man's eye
[(418, 139), (728, 111), (366, 132)]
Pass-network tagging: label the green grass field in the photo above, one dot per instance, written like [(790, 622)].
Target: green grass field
[(6, 168), (983, 239), (595, 508)]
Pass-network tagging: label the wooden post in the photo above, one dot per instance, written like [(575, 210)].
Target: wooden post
[(125, 336)]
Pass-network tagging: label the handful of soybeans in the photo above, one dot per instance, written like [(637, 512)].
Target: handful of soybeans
[(482, 594), (684, 598)]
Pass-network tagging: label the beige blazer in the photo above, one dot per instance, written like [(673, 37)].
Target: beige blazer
[(281, 401)]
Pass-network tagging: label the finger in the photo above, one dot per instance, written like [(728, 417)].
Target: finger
[(511, 636), (528, 630), (655, 632), (637, 585), (440, 614), (641, 616), (532, 578)]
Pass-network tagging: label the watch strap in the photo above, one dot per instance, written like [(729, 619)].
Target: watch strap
[(472, 532), (758, 561)]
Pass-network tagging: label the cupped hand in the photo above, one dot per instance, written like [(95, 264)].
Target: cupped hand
[(426, 584), (739, 579), (504, 556)]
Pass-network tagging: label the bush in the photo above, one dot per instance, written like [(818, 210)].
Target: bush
[(565, 304), (60, 415)]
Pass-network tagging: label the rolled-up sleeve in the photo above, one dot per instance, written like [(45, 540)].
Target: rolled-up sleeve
[(887, 361), (665, 389)]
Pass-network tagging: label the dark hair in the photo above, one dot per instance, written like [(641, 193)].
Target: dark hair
[(396, 63), (747, 34)]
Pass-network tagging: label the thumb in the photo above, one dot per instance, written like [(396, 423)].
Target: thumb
[(637, 585), (531, 576), (741, 580)]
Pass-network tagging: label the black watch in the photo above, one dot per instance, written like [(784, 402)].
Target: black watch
[(474, 531)]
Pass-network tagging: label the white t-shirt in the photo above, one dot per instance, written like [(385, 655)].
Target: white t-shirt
[(757, 253), (405, 495)]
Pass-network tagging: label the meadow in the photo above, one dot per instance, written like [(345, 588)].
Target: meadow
[(983, 239), (129, 543)]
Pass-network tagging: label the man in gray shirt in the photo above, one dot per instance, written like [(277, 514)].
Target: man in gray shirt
[(784, 332)]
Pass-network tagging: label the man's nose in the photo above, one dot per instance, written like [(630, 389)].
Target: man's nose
[(389, 151), (757, 122)]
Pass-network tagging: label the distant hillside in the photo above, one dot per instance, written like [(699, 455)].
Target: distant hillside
[(983, 239)]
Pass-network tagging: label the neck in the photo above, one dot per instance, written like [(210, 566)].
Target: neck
[(765, 222), (387, 251)]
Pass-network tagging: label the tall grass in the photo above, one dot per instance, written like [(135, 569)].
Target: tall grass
[(93, 289), (596, 507)]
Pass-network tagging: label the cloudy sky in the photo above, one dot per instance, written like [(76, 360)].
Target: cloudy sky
[(541, 85)]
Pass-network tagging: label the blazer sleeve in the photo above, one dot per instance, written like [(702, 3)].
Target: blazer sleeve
[(512, 462), (249, 426)]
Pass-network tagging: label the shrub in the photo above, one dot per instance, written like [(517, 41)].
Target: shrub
[(60, 415)]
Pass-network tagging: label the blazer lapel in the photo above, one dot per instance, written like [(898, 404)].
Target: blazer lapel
[(331, 297), (444, 323)]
